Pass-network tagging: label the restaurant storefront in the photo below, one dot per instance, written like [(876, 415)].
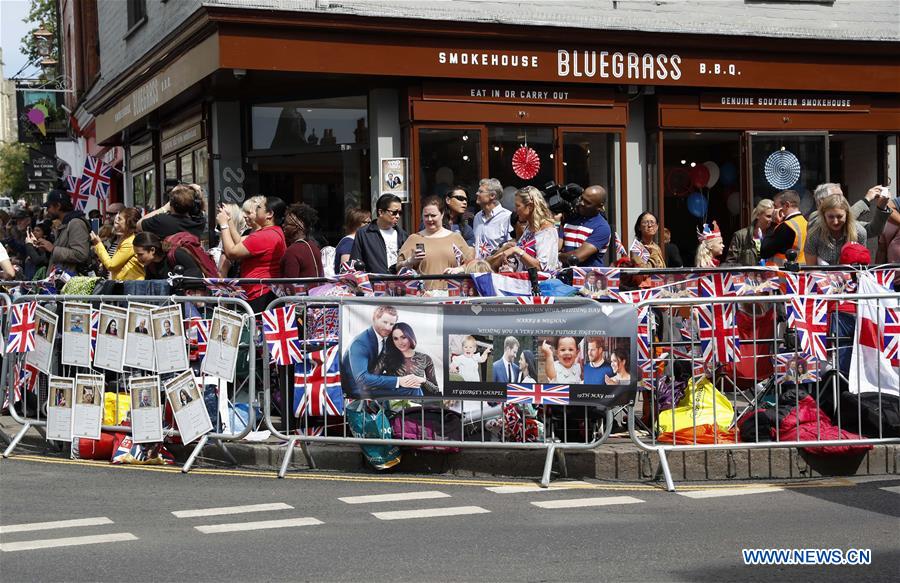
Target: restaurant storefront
[(306, 108)]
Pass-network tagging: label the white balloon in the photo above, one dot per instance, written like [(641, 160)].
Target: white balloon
[(713, 173), (733, 202)]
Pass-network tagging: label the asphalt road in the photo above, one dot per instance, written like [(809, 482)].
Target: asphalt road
[(445, 529)]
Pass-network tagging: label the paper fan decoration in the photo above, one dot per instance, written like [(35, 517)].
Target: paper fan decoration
[(782, 169), (526, 163)]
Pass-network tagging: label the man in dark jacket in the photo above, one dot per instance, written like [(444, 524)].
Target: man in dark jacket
[(377, 244), (72, 247)]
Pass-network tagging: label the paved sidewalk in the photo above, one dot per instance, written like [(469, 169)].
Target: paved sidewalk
[(619, 459)]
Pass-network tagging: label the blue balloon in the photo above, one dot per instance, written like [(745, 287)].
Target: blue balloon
[(696, 204), (728, 174)]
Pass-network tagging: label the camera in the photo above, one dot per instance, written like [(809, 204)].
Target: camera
[(561, 199)]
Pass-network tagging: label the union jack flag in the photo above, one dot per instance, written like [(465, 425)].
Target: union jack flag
[(620, 248), (198, 337), (225, 288), (96, 178), (891, 339), (73, 189), (647, 376), (637, 296), (809, 317), (486, 248), (280, 330), (643, 332), (579, 276), (534, 300), (458, 254), (796, 368), (95, 328), (639, 249), (718, 333), (25, 378), (324, 323), (800, 284), (885, 277), (21, 328), (717, 285), (538, 394), (317, 384), (528, 243)]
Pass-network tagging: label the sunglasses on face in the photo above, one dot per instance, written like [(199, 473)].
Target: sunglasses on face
[(392, 213), (460, 198)]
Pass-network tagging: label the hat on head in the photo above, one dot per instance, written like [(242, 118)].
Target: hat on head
[(709, 232), (855, 254), (57, 196)]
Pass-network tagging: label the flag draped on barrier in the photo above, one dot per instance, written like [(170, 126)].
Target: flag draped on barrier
[(871, 368), (21, 328), (95, 329), (281, 334), (317, 384), (809, 317), (502, 284), (719, 340)]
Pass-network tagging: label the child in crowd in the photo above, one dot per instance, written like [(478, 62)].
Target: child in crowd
[(566, 369), (467, 363)]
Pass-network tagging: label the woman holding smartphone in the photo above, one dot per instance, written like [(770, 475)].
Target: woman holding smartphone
[(435, 249), (123, 265)]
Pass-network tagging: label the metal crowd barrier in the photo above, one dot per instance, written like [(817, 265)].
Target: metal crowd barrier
[(758, 378), (562, 426), (6, 396), (243, 390)]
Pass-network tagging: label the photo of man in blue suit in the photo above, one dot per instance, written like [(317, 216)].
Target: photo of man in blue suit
[(358, 365), (505, 369)]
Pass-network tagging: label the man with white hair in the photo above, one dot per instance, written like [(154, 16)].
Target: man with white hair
[(492, 222)]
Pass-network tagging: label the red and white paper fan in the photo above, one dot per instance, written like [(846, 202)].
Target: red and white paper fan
[(526, 163)]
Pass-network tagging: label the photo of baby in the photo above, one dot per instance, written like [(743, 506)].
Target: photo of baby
[(468, 365), (561, 359)]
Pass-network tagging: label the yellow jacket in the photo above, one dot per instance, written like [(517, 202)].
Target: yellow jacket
[(123, 265)]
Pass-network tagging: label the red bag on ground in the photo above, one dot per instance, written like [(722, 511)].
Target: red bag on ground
[(806, 422), (93, 449)]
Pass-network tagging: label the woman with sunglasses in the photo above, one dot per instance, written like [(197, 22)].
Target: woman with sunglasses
[(456, 201)]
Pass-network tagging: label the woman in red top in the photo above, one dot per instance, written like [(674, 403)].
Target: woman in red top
[(261, 252)]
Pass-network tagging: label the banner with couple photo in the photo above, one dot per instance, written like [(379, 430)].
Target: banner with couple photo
[(538, 354)]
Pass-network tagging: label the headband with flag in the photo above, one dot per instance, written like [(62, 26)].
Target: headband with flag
[(709, 232)]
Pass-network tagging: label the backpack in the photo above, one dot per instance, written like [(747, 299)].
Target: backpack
[(191, 244)]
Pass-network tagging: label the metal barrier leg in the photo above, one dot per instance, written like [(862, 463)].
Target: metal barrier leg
[(548, 466), (561, 458), (667, 475), (288, 454), (15, 440), (227, 453), (308, 455), (197, 449)]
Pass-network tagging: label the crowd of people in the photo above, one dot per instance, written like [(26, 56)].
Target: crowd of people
[(267, 238)]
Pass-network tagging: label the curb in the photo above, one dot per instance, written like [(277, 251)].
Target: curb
[(618, 460)]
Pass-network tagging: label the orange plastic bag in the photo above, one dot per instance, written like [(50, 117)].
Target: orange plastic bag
[(706, 433)]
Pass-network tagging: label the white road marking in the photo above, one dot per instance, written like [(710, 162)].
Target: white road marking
[(261, 525), (721, 493), (55, 524), (232, 510), (30, 545), (895, 489), (586, 502), (429, 512), (535, 488), (427, 495)]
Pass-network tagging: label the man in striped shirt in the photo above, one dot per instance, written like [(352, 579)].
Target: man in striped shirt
[(585, 236)]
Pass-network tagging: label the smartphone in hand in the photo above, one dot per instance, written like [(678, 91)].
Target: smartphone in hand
[(95, 226)]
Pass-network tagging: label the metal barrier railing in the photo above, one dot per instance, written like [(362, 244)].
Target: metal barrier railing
[(470, 423), (788, 376), (6, 395), (241, 390)]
